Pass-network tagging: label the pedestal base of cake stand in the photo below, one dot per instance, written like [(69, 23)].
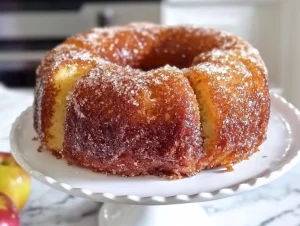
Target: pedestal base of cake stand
[(112, 214)]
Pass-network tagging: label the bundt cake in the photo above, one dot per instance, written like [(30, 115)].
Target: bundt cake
[(148, 99)]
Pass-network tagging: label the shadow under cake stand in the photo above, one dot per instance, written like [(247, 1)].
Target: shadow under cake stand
[(149, 200)]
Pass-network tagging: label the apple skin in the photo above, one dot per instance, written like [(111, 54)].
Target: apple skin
[(15, 182), (9, 215)]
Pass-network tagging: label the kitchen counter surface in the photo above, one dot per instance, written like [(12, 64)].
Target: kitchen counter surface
[(275, 204)]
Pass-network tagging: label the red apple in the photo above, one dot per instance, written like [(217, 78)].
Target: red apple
[(14, 182), (9, 215)]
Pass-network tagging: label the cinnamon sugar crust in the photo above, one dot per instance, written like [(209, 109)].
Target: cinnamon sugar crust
[(149, 99), (128, 122)]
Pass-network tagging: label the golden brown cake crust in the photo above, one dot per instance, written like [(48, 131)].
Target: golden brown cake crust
[(239, 91), (132, 123), (45, 91), (241, 95), (132, 115)]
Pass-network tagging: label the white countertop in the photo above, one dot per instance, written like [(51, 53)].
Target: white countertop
[(275, 204)]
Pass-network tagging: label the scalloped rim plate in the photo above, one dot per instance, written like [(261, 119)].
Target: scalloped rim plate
[(279, 153)]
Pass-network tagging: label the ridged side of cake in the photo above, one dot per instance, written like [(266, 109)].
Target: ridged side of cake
[(233, 96), (56, 76), (216, 75)]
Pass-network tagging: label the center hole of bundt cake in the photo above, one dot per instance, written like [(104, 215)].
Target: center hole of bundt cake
[(163, 53), (179, 60)]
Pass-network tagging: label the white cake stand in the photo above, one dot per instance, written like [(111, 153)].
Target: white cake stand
[(146, 201)]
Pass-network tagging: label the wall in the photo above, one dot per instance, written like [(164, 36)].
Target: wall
[(290, 50)]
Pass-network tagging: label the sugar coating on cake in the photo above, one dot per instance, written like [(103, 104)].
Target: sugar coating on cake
[(145, 127), (148, 99)]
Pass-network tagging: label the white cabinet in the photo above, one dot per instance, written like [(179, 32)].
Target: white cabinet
[(239, 20)]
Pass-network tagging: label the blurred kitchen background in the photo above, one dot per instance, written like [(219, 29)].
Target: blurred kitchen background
[(28, 28)]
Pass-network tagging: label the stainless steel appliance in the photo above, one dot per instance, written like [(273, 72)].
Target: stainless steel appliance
[(29, 28)]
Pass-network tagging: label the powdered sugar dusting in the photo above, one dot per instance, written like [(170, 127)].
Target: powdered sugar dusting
[(211, 69)]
